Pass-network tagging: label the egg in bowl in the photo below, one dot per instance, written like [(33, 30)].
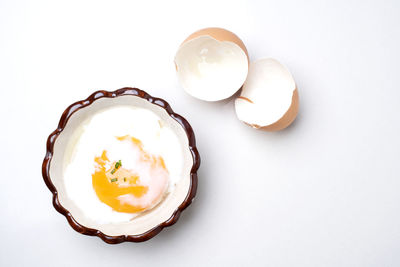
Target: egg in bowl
[(121, 165)]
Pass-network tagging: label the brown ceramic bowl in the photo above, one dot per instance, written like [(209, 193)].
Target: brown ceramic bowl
[(52, 168)]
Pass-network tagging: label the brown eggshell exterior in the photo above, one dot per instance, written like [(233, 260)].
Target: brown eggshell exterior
[(286, 119), (221, 35)]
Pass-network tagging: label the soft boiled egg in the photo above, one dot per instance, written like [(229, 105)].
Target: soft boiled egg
[(124, 162), (130, 189)]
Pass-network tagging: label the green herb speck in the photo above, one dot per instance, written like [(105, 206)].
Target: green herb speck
[(118, 164)]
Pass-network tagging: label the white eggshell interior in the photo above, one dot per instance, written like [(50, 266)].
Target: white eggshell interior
[(78, 202), (209, 69), (266, 94)]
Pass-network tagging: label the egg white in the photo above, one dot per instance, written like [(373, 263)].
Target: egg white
[(99, 133)]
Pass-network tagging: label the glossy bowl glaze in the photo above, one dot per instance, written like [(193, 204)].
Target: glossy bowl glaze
[(72, 117)]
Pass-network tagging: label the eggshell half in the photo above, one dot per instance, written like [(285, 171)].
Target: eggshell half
[(212, 64), (269, 99)]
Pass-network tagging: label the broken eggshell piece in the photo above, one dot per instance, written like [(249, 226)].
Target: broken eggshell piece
[(269, 99), (212, 64)]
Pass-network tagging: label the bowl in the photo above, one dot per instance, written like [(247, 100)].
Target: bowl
[(148, 224)]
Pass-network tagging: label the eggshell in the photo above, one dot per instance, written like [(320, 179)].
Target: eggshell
[(212, 64), (269, 99)]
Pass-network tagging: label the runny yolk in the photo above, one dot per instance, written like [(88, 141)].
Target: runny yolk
[(123, 189)]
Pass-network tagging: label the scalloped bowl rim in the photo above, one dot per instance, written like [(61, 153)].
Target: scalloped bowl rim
[(160, 107)]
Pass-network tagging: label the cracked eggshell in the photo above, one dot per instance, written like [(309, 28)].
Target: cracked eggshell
[(269, 99), (212, 64)]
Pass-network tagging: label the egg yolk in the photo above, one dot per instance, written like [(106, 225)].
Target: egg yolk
[(130, 190)]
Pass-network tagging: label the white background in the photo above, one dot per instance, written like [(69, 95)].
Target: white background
[(324, 192)]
